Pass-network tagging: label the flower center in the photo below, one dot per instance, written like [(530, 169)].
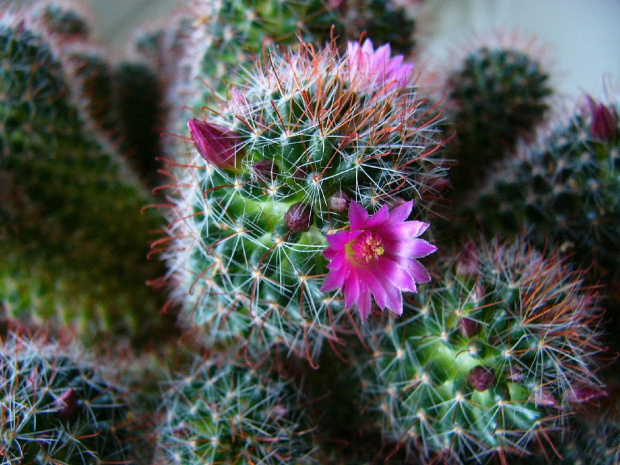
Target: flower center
[(368, 247)]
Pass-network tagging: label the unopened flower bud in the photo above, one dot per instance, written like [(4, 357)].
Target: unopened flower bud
[(482, 378), (217, 145), (338, 202), (468, 263), (265, 172), (66, 405), (299, 217), (604, 123), (469, 328), (584, 393)]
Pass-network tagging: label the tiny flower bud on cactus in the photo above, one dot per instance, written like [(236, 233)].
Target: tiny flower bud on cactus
[(481, 378), (339, 202), (265, 172), (469, 327), (604, 124), (67, 404), (217, 145), (298, 217)]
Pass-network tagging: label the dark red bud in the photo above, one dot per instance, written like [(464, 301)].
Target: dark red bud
[(604, 123), (544, 398), (265, 171), (468, 262), (299, 217), (482, 378), (217, 145), (580, 394), (339, 202), (469, 328), (66, 404)]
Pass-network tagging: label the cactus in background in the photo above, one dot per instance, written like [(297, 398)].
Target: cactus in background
[(223, 413), (56, 406), (76, 245), (138, 110), (275, 170), (385, 21), (494, 357), (563, 189), (496, 95)]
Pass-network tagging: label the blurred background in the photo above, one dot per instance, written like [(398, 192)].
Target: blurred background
[(581, 38)]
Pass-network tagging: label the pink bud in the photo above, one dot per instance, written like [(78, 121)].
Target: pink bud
[(544, 398), (604, 123), (583, 393), (299, 217), (468, 263), (66, 404), (217, 145), (482, 378)]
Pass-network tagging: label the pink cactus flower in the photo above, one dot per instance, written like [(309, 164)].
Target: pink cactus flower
[(377, 255), (373, 70), (217, 145)]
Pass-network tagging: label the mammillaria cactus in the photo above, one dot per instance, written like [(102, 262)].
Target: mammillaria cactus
[(75, 243), (306, 139), (497, 94), (56, 406), (563, 189), (224, 413), (490, 359)]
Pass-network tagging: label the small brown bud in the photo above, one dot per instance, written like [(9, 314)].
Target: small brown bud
[(299, 217), (481, 378), (66, 404)]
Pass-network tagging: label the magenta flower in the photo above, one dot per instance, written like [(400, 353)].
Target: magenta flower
[(216, 144), (377, 255), (371, 69)]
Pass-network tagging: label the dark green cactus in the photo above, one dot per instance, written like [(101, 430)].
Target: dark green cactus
[(57, 408), (563, 189), (76, 235), (223, 413), (488, 361), (496, 96)]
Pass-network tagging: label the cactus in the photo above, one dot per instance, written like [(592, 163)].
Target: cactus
[(57, 407), (563, 189), (274, 171), (490, 360), (223, 413), (496, 95), (76, 243)]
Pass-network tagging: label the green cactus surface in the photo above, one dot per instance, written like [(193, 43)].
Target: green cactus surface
[(75, 241), (223, 413), (489, 361), (310, 137), (57, 408), (496, 96)]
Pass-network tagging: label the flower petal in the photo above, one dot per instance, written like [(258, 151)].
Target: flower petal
[(357, 216)]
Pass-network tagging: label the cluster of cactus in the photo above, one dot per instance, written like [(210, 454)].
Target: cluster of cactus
[(57, 407), (307, 166)]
